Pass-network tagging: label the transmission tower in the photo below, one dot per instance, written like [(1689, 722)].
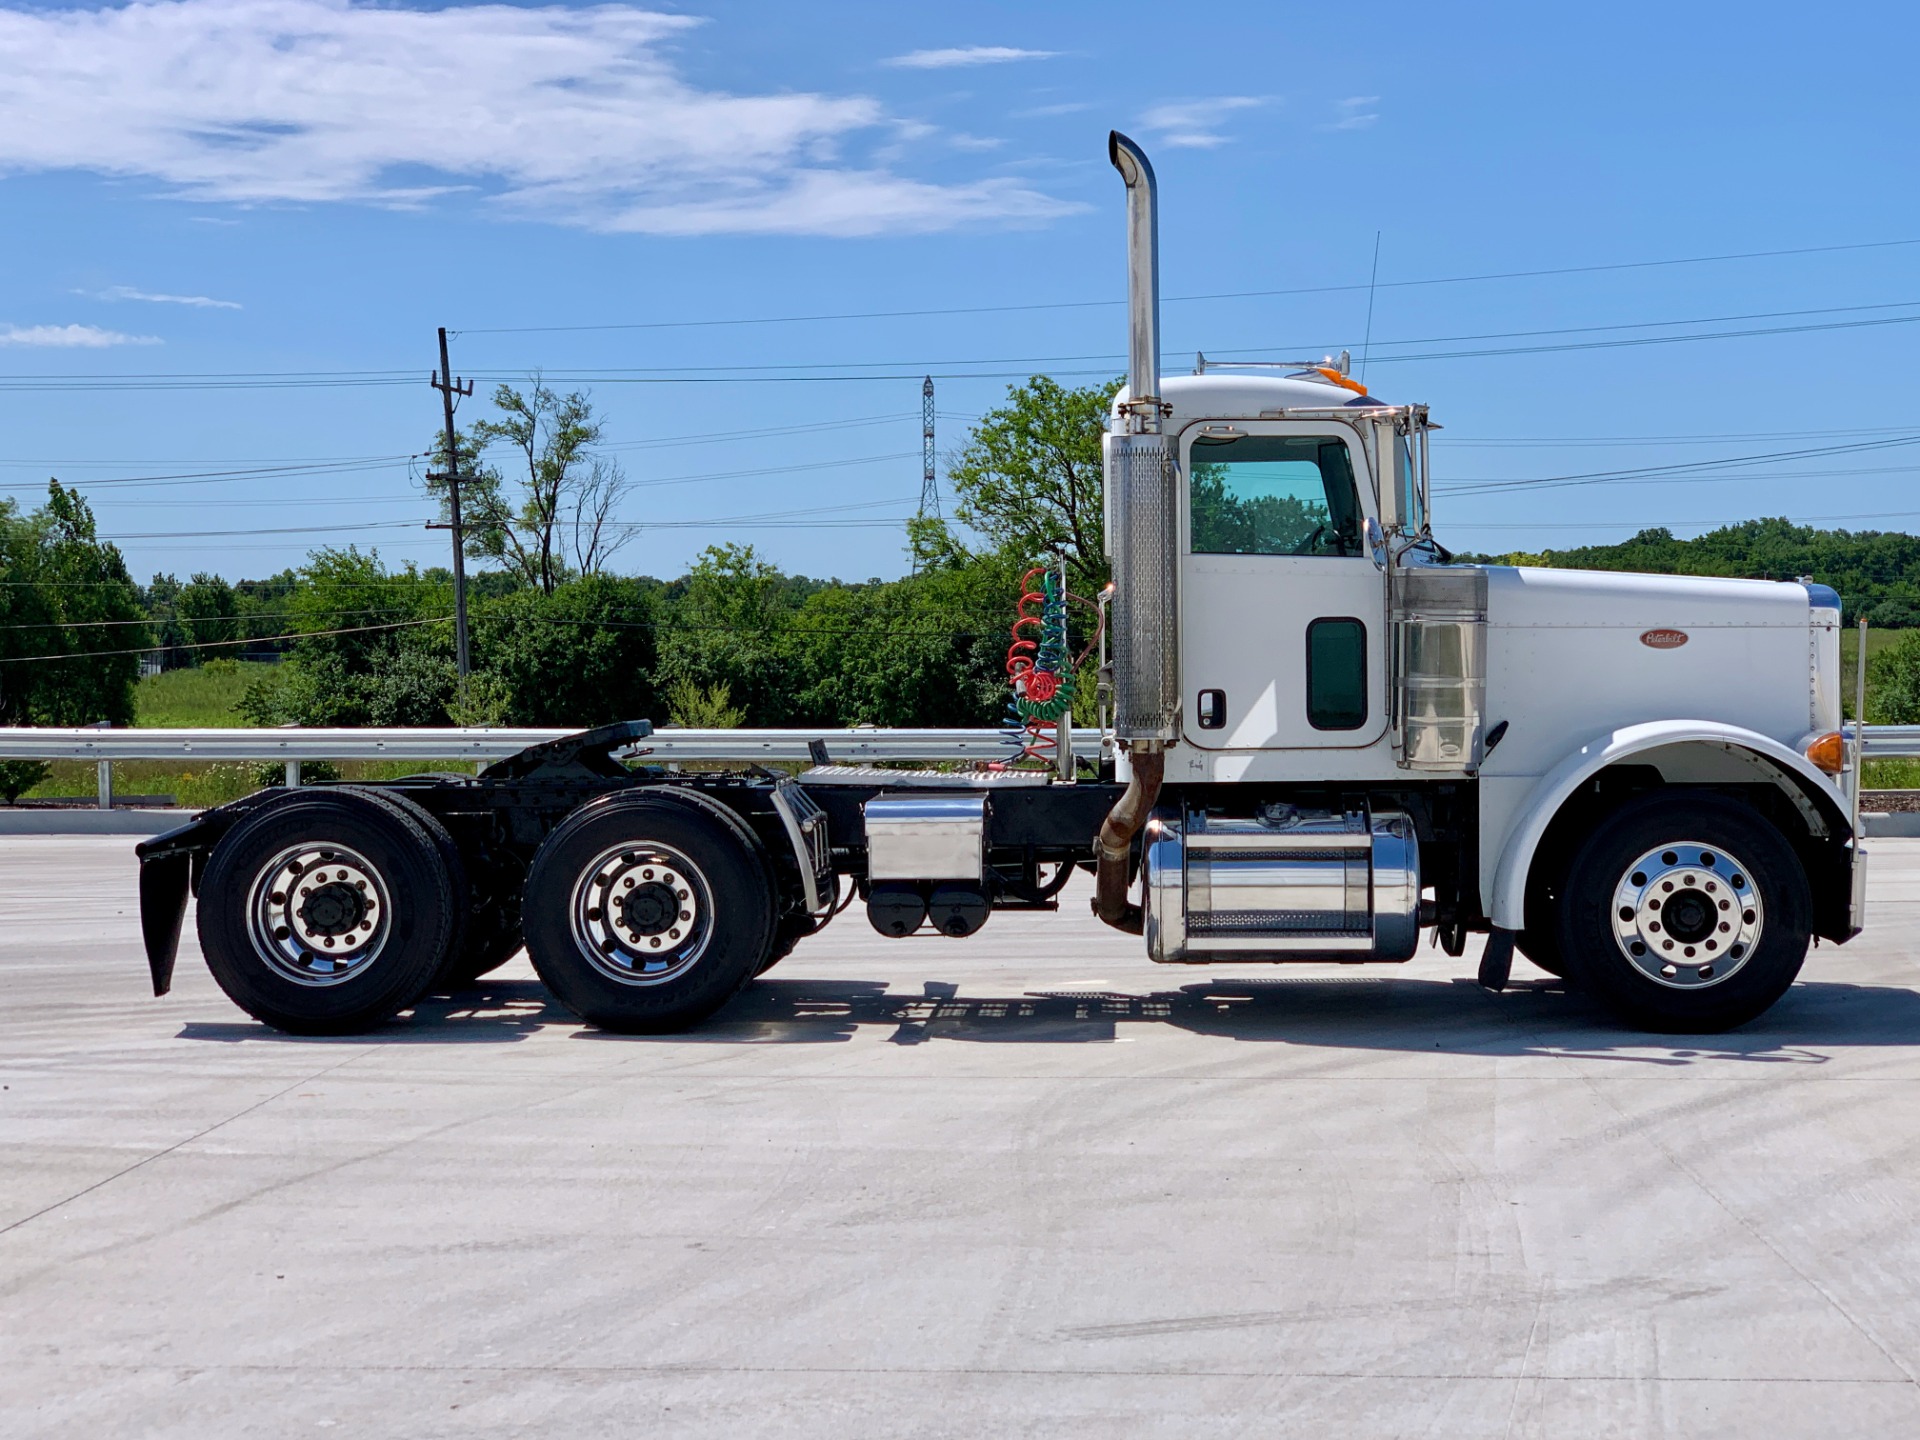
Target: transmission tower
[(929, 481)]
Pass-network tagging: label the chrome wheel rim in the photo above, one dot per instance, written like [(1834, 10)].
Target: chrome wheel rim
[(1687, 915), (642, 913), (319, 914)]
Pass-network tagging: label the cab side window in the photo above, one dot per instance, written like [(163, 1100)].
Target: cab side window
[(1273, 495)]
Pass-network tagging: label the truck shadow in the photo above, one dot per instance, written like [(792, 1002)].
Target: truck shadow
[(1451, 1016), (1364, 1014)]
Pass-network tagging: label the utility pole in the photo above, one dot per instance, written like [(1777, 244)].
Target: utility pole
[(929, 482), (449, 387)]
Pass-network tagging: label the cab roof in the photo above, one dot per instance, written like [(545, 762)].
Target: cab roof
[(1247, 395)]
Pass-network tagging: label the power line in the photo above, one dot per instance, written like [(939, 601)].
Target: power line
[(1595, 477), (273, 464), (815, 372), (241, 619), (1455, 442), (269, 530), (1650, 524), (1187, 299), (1283, 347), (214, 644)]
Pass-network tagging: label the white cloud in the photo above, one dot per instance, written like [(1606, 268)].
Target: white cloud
[(127, 292), (1195, 124), (962, 141), (70, 337), (1356, 113), (571, 116), (966, 55)]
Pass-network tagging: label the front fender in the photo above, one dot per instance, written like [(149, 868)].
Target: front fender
[(1543, 802)]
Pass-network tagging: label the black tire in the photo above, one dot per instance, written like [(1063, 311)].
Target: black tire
[(1731, 891), (265, 954), (470, 930), (692, 917)]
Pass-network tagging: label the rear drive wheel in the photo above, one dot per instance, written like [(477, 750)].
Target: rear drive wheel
[(472, 930), (1685, 913), (646, 912), (325, 914)]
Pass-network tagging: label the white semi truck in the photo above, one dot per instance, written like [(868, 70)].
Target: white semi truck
[(1325, 739)]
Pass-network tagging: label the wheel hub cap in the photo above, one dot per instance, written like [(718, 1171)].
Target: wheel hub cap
[(1687, 915), (319, 914), (642, 914)]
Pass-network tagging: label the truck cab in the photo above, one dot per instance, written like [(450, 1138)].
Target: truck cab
[(1335, 736)]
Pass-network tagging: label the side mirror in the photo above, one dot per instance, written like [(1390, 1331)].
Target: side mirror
[(1376, 544)]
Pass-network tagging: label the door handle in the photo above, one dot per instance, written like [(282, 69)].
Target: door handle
[(1213, 709)]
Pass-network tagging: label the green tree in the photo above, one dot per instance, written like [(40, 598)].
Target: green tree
[(724, 628), (103, 624), (209, 613), (703, 707), (162, 600), (374, 647), (1893, 681), (584, 655), (350, 605), (1029, 478), (926, 650), (555, 515)]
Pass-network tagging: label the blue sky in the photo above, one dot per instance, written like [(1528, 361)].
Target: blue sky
[(300, 191)]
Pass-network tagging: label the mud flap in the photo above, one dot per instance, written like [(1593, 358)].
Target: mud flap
[(1496, 961), (163, 905)]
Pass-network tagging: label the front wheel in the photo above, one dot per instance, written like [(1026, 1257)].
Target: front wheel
[(647, 912), (1685, 913)]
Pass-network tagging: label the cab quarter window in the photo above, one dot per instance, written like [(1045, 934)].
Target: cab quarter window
[(1273, 495), (1337, 673)]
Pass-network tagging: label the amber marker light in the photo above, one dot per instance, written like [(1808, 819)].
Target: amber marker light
[(1829, 751)]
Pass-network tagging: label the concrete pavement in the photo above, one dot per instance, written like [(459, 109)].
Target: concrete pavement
[(1025, 1184)]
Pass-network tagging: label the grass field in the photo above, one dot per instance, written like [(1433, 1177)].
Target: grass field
[(186, 699)]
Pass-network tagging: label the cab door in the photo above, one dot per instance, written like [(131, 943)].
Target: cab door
[(1282, 637)]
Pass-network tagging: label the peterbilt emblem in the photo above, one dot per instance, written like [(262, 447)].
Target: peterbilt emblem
[(1664, 639)]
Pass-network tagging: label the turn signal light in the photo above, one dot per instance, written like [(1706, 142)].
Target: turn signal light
[(1829, 752)]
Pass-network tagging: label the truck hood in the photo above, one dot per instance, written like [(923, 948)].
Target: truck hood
[(1572, 654)]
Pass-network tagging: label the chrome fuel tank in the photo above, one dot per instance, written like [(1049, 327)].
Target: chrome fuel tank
[(1282, 884)]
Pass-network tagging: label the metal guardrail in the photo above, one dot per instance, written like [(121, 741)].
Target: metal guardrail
[(293, 746), (1891, 742)]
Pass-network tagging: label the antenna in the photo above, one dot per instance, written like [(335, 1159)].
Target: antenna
[(1373, 280)]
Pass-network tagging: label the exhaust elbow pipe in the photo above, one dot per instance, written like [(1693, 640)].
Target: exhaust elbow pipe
[(1114, 845), (1143, 280)]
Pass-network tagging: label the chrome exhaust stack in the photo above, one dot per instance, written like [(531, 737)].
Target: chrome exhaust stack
[(1143, 280), (1143, 511)]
